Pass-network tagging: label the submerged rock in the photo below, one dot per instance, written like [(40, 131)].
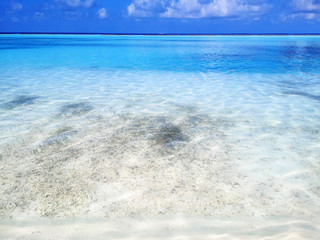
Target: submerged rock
[(75, 109), (20, 101), (170, 133), (303, 94)]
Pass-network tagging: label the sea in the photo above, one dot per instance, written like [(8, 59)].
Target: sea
[(159, 137)]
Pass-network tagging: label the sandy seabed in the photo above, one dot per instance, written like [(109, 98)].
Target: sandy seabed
[(136, 160), (172, 175), (170, 227)]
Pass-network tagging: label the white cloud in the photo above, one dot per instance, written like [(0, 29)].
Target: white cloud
[(196, 8), (147, 8), (306, 5), (73, 15), (308, 9), (15, 19), (77, 3), (102, 13), (17, 6), (38, 15), (88, 3)]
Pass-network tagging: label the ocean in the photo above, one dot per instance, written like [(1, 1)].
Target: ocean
[(159, 137)]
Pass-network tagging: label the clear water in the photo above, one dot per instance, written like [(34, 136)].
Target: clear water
[(169, 136)]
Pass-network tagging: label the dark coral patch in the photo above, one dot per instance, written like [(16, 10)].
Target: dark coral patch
[(75, 109), (170, 133), (303, 94), (20, 101)]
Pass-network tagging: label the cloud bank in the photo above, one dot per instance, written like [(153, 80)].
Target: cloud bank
[(197, 8), (77, 3), (309, 9)]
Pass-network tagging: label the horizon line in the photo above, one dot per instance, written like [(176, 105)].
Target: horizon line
[(164, 34)]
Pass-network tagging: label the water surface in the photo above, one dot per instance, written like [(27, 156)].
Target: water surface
[(176, 136)]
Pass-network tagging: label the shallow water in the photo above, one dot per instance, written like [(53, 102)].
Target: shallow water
[(191, 136)]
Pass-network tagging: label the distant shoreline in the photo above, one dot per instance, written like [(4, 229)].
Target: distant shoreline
[(162, 34)]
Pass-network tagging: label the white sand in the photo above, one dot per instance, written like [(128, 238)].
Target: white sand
[(174, 227)]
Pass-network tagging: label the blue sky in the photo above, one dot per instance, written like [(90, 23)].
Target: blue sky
[(161, 16)]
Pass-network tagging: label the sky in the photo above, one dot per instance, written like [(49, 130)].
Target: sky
[(161, 16)]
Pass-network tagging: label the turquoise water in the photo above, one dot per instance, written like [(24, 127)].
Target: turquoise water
[(222, 128)]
